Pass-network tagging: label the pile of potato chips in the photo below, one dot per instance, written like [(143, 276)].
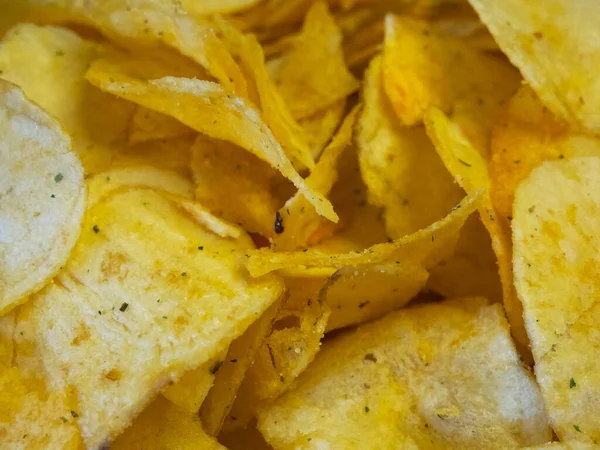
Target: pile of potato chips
[(299, 224)]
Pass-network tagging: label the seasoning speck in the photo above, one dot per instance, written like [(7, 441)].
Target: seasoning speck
[(216, 366), (58, 177), (572, 383), (278, 223), (96, 229), (124, 306)]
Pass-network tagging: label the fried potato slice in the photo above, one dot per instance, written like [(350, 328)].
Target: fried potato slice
[(420, 70), (148, 125), (151, 294), (434, 376), (399, 165), (232, 371), (235, 185), (427, 246), (525, 136), (33, 419), (41, 196), (554, 44), (275, 111), (49, 64), (555, 229), (313, 74), (207, 108), (468, 165), (163, 426), (192, 388), (366, 292), (298, 219)]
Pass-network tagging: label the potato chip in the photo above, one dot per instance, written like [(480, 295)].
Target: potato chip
[(427, 246), (207, 108), (320, 127), (556, 271), (554, 45), (526, 135), (420, 69), (232, 369), (152, 295), (433, 376), (192, 388), (298, 219), (149, 125), (366, 292), (32, 419), (49, 64), (399, 165), (468, 165), (472, 270), (41, 196), (313, 74), (275, 111), (235, 185), (163, 426)]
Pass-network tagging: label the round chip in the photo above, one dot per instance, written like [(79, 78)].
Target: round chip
[(41, 197)]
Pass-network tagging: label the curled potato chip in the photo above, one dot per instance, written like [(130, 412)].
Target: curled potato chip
[(420, 70), (235, 185), (232, 371), (33, 419), (49, 64), (399, 165), (469, 167), (427, 246), (41, 194), (554, 45), (298, 217), (313, 74), (366, 292), (163, 426), (275, 111), (207, 108), (555, 233), (149, 125), (404, 379), (143, 292), (192, 388), (525, 136)]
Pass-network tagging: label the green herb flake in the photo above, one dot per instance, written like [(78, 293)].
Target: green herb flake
[(577, 428), (367, 409), (58, 177), (96, 229), (184, 274), (201, 247), (53, 196), (572, 383)]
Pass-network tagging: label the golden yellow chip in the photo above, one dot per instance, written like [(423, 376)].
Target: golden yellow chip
[(275, 111), (41, 194), (207, 108), (320, 127), (423, 67), (399, 165), (32, 419), (468, 165), (527, 135), (313, 74), (163, 426), (49, 64), (553, 43), (555, 230), (148, 125), (232, 370), (151, 294), (298, 220), (427, 246), (433, 376)]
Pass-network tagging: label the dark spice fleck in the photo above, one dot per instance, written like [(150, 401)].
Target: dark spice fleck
[(370, 357), (278, 223), (53, 196), (367, 409), (96, 229), (216, 366), (464, 163), (234, 360), (201, 247), (124, 306), (74, 414), (184, 274), (58, 177), (363, 304), (572, 383)]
